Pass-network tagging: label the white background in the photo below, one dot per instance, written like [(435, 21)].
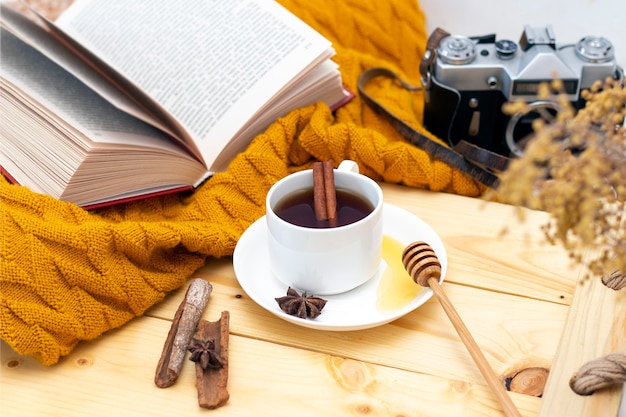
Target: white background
[(570, 19)]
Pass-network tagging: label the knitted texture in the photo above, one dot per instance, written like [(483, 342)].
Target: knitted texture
[(69, 275)]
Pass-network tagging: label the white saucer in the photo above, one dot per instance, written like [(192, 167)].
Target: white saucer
[(352, 310)]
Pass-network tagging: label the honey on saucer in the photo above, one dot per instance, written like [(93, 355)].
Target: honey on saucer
[(396, 288)]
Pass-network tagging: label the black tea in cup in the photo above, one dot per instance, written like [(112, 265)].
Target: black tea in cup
[(298, 209)]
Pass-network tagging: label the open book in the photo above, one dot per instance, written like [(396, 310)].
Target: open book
[(119, 99)]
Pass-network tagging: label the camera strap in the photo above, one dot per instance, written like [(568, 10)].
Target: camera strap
[(479, 168)]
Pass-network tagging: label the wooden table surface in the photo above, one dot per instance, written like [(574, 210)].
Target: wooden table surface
[(514, 292)]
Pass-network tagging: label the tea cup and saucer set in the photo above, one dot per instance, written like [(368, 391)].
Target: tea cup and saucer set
[(356, 266)]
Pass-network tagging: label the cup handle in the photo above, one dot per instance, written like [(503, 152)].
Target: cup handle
[(349, 166)]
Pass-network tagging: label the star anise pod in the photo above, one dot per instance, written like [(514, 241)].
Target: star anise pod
[(203, 351), (303, 306)]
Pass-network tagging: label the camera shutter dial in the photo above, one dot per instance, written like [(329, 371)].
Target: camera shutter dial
[(456, 50), (505, 49), (594, 49)]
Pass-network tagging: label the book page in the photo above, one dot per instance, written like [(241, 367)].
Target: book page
[(53, 124), (213, 64), (36, 36), (72, 101)]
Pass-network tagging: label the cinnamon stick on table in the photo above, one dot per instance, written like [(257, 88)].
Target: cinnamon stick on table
[(183, 327), (210, 352), (324, 192)]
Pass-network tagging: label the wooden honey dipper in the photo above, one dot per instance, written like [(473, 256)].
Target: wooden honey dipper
[(423, 266)]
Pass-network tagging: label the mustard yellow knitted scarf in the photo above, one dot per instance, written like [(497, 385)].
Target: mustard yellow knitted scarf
[(69, 275)]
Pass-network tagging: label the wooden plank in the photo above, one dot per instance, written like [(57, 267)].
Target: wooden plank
[(595, 326), (113, 376)]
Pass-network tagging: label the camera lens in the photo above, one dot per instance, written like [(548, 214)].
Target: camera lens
[(505, 49), (594, 49), (519, 128), (456, 50)]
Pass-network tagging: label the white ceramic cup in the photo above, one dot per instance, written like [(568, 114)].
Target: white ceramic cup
[(330, 260)]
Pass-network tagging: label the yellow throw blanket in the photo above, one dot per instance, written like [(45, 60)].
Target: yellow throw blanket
[(69, 275)]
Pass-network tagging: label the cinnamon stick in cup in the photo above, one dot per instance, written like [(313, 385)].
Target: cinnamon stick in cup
[(319, 192), (324, 193), (331, 193)]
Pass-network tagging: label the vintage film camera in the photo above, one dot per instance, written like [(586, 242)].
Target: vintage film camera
[(470, 79)]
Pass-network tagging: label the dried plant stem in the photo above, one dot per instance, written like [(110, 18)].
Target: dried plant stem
[(575, 169)]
